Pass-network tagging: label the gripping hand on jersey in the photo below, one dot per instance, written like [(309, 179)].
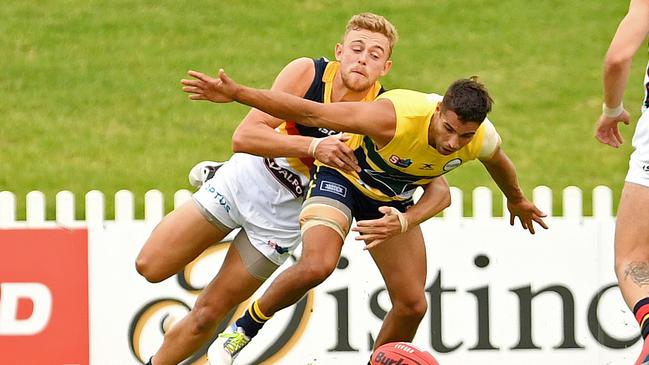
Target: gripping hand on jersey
[(333, 151), (203, 87), (607, 131)]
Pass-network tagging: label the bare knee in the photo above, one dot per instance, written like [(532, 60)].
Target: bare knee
[(314, 273), (411, 308), (149, 269), (205, 317)]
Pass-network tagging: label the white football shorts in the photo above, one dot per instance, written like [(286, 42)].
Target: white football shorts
[(639, 161), (247, 192)]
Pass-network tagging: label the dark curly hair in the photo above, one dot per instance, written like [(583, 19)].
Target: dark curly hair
[(469, 99)]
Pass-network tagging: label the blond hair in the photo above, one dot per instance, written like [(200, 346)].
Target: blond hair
[(374, 23)]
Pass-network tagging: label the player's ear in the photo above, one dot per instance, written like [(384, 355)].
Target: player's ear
[(386, 67), (338, 51)]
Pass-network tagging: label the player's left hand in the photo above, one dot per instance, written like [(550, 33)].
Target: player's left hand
[(376, 231), (527, 213), (204, 87)]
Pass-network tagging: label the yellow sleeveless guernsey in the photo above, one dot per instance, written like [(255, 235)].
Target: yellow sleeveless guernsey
[(407, 161)]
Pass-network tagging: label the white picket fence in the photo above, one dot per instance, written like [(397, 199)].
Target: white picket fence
[(154, 205), (477, 261)]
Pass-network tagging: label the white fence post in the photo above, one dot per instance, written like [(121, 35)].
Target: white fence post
[(153, 206), (7, 208), (542, 196), (482, 203), (181, 196), (572, 204), (65, 208), (455, 210), (124, 206), (95, 208), (35, 206), (602, 202)]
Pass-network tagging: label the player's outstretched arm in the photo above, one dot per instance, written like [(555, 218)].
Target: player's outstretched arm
[(376, 120), (256, 133), (436, 197), (628, 38), (502, 170)]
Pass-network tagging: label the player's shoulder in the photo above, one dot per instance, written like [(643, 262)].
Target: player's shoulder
[(300, 66), (296, 76), (488, 126)]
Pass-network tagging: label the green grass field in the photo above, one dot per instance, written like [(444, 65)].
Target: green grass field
[(90, 95)]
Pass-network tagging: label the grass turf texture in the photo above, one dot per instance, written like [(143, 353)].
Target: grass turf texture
[(90, 95)]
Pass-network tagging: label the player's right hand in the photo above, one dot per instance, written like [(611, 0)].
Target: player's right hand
[(204, 87), (607, 131), (334, 152)]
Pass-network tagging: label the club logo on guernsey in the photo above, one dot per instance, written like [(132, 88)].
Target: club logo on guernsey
[(454, 163), (396, 160), (332, 187), (287, 178)]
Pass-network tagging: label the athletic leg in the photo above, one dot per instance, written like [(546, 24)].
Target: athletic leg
[(177, 240), (632, 255), (324, 224), (233, 284), (402, 262), (632, 243)]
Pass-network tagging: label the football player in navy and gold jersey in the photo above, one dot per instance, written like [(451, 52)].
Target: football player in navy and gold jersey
[(402, 140)]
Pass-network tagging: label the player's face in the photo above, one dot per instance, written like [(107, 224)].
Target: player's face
[(449, 134), (364, 57)]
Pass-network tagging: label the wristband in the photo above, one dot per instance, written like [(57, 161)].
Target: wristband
[(612, 112), (402, 219), (314, 144)]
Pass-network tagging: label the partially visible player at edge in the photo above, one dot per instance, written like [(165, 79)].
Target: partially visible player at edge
[(632, 227), (402, 140), (267, 210)]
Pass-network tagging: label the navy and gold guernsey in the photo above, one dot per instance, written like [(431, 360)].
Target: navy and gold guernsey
[(319, 91), (392, 172)]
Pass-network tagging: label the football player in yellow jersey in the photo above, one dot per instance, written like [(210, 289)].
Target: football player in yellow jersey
[(405, 139), (263, 195)]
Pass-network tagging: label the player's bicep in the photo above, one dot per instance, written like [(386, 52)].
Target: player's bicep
[(375, 119), (632, 32)]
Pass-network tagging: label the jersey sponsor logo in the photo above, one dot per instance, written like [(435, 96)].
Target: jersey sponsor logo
[(454, 163), (645, 168), (427, 166), (332, 187), (327, 132), (289, 179), (396, 160)]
